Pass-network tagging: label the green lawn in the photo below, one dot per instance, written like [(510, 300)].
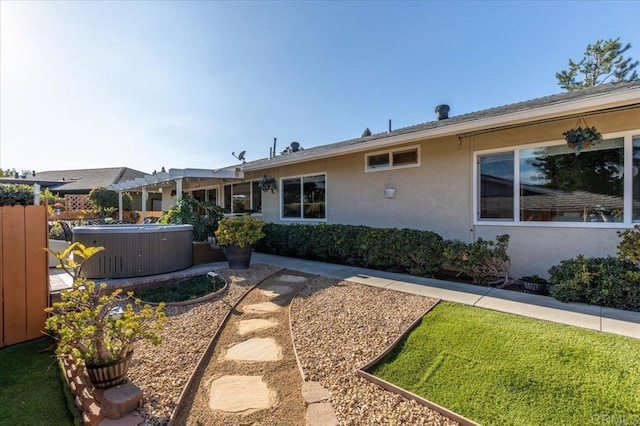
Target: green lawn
[(501, 369), (31, 391)]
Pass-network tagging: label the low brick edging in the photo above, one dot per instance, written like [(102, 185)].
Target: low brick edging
[(96, 405), (361, 372)]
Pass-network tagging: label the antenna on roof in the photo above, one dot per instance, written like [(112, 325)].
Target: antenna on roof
[(240, 156)]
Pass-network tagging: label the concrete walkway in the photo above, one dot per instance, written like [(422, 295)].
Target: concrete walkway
[(609, 320)]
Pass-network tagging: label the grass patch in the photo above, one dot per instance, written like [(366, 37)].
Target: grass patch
[(31, 388), (180, 291), (502, 369)]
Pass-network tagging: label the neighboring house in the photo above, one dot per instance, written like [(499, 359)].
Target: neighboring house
[(504, 170), (75, 185)]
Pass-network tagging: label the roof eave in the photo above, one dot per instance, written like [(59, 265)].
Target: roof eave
[(567, 108)]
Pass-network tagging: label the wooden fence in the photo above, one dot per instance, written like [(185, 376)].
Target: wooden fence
[(24, 276)]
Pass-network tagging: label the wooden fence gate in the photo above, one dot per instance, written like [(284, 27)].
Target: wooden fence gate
[(24, 275)]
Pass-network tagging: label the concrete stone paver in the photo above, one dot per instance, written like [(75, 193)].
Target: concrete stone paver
[(286, 278), (257, 349), (251, 325), (313, 392), (261, 308), (321, 414), (277, 290), (237, 394)]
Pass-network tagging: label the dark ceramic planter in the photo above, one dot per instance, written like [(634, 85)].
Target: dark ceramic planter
[(534, 287), (238, 258)]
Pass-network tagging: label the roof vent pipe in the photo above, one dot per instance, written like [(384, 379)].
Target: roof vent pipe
[(389, 125), (295, 146), (442, 112), (274, 146)]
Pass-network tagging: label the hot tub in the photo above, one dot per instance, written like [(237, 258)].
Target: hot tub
[(136, 250)]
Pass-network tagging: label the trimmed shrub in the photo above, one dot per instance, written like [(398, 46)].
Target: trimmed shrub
[(398, 250), (602, 281), (486, 262), (16, 194), (629, 246)]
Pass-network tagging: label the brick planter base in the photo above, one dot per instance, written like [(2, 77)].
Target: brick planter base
[(96, 405)]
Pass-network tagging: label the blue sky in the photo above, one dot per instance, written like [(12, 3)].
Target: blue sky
[(183, 84)]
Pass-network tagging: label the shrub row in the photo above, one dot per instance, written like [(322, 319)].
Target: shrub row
[(603, 281), (396, 250), (16, 194)]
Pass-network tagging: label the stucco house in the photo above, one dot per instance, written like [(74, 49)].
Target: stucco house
[(504, 170)]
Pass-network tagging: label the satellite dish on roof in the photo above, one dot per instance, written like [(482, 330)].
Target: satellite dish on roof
[(240, 156)]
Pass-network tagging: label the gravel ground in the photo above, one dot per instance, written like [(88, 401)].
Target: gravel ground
[(340, 326), (337, 326), (162, 371)]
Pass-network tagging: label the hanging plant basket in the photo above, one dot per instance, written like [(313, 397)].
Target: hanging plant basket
[(268, 184), (580, 138)]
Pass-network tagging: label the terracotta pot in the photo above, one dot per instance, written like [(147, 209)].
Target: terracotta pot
[(109, 374)]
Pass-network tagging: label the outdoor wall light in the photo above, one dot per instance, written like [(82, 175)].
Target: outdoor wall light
[(389, 190)]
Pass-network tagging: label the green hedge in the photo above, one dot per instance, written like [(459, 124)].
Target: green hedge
[(16, 194), (602, 281), (397, 250)]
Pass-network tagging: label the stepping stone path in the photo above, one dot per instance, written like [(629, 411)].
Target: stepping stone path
[(256, 349), (252, 376), (240, 394)]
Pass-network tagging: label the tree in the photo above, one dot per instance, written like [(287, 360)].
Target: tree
[(106, 200), (366, 133), (603, 62)]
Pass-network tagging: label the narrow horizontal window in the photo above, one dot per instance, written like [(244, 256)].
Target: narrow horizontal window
[(399, 158), (404, 158), (378, 161)]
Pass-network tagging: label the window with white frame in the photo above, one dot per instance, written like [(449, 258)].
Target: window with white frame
[(635, 171), (304, 197), (397, 158), (550, 183), (244, 197)]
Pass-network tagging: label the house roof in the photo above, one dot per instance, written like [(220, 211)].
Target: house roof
[(565, 104), (80, 180)]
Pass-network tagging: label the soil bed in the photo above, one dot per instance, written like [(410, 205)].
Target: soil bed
[(180, 291)]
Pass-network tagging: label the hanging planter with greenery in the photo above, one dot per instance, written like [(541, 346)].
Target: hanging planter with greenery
[(580, 137), (268, 184)]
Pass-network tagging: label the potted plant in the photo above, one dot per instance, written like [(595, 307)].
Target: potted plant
[(582, 137), (96, 327), (237, 234), (268, 184), (534, 284), (204, 217)]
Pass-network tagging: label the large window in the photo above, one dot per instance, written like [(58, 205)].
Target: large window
[(635, 170), (243, 197), (556, 185), (304, 197), (398, 158), (495, 173)]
